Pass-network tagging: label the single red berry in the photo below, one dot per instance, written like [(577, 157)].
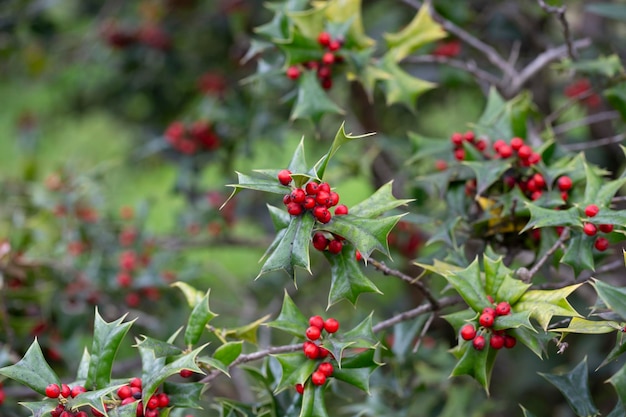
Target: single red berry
[(331, 325), (311, 188), (284, 176), (298, 195), (151, 412), (505, 151), (590, 229), (606, 228), (295, 209), (489, 310), (313, 333), (334, 45), (318, 378), (457, 138), (540, 182), (534, 158), (327, 83), (164, 400), (601, 244), (300, 389), (293, 72), (286, 199), (486, 319), (322, 214), (124, 392), (335, 246), (324, 71), (136, 392), (66, 391), (139, 409), (497, 144), (591, 210), (309, 203), (490, 299), (564, 183), (479, 342), (503, 308), (509, 341), (185, 373), (459, 154), (326, 368), (496, 341), (517, 143), (481, 145), (58, 410), (66, 414), (358, 256), (128, 400), (341, 210), (441, 165), (124, 279), (468, 332), (328, 58), (152, 403), (324, 186), (323, 352), (469, 136), (524, 152), (311, 350), (564, 195), (323, 198), (53, 391), (320, 242), (77, 390), (81, 414), (333, 200), (316, 321), (324, 38), (536, 195)]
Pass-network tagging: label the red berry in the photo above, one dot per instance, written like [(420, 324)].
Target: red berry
[(323, 198), (517, 143), (324, 187), (293, 72), (479, 342), (326, 368), (601, 244), (536, 195), (496, 341), (185, 373), (313, 333), (319, 241), (309, 203), (606, 228), (152, 403), (564, 195), (534, 158), (334, 45), (66, 414), (286, 199), (441, 165), (486, 319), (164, 400), (311, 188), (294, 209), (564, 183), (136, 391), (481, 145), (489, 310), (318, 378), (334, 199), (540, 182), (300, 389), (524, 152), (509, 341), (66, 391), (324, 38), (503, 308), (124, 392), (490, 299), (77, 390), (341, 210), (298, 195), (331, 325), (323, 352), (335, 246), (327, 83), (151, 412), (128, 400), (316, 321), (81, 414), (468, 332), (53, 391), (459, 154), (505, 151), (322, 214), (311, 350), (457, 138), (591, 210), (58, 410), (328, 58), (124, 279), (469, 136), (139, 409), (284, 177), (590, 229), (358, 256), (497, 144)]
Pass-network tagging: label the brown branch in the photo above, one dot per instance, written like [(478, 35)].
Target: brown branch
[(595, 143), (469, 67), (552, 117), (560, 12), (594, 118), (535, 268), (406, 278)]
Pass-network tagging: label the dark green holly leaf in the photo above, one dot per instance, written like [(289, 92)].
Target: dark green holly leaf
[(296, 370), (607, 216), (487, 172), (495, 122), (542, 217), (347, 278), (280, 218), (427, 148), (543, 304), (300, 48), (580, 325), (618, 411), (290, 247), (160, 348), (93, 399), (378, 203), (32, 370), (276, 29), (574, 385), (209, 362), (526, 412), (40, 408), (192, 295), (313, 402), (356, 370), (184, 395), (475, 363), (290, 319), (83, 366), (402, 87), (128, 410), (468, 283), (228, 352), (309, 23), (405, 335), (312, 101), (533, 340), (606, 66), (613, 297), (106, 341), (341, 138), (499, 282), (598, 190), (617, 351), (419, 32), (579, 253), (258, 183), (367, 235), (360, 337), (198, 319), (459, 318)]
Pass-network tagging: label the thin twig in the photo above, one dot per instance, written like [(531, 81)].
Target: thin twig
[(564, 236), (551, 118), (593, 118), (560, 12), (410, 314), (595, 143), (469, 66), (406, 278)]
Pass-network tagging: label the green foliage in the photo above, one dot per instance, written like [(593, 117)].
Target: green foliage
[(574, 385)]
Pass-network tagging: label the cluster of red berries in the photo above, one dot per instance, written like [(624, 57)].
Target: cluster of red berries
[(62, 392), (2, 394), (131, 393), (590, 229), (447, 48), (150, 35), (190, 139), (324, 65), (333, 245), (313, 351), (515, 148), (314, 197), (497, 338), (582, 89)]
